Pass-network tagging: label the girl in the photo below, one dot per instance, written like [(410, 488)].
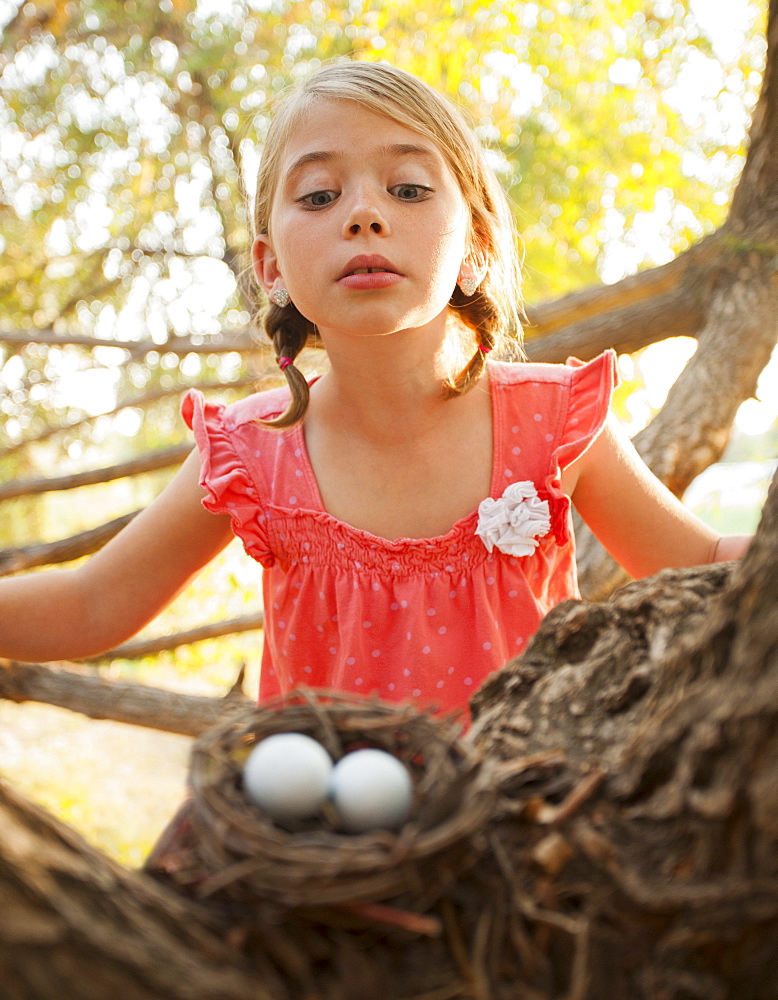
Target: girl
[(411, 507)]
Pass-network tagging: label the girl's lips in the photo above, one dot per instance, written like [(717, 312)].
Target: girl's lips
[(368, 282)]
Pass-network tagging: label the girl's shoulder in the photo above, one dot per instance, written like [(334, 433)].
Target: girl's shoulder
[(258, 406), (263, 405), (573, 373), (551, 411)]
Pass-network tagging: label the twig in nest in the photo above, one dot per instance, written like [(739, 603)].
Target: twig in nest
[(481, 986), (236, 691), (526, 906), (724, 890), (579, 973), (507, 771), (577, 928), (329, 734), (416, 923), (448, 992), (455, 943), (291, 959), (586, 787)]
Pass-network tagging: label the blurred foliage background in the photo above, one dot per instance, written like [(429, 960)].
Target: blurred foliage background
[(129, 139)]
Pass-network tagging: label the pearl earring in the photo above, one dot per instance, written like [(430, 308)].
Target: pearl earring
[(468, 286), (280, 296)]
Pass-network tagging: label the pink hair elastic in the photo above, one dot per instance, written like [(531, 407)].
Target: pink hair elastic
[(284, 362), (484, 350)]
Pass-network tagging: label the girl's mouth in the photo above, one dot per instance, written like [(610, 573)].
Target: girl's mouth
[(369, 272), (367, 263), (369, 279)]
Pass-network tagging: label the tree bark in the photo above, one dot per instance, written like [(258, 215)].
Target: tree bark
[(668, 693), (75, 924), (121, 701)]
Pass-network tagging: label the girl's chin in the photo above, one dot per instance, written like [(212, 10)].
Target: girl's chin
[(381, 334), (376, 323)]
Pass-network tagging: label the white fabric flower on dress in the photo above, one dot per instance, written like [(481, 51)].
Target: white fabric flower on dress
[(514, 523)]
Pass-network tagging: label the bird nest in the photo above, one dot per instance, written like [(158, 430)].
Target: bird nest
[(237, 853)]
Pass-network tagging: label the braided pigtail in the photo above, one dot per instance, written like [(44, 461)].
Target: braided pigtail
[(482, 315), (289, 332)]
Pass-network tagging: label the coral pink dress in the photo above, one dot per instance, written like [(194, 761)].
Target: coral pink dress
[(417, 618)]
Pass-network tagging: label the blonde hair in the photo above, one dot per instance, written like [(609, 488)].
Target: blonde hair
[(493, 311)]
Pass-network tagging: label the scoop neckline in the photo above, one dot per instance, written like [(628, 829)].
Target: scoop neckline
[(456, 528)]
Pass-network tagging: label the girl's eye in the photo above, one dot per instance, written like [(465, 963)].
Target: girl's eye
[(318, 199), (411, 192)]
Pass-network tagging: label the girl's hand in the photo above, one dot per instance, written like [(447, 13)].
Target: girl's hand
[(638, 520), (73, 613)]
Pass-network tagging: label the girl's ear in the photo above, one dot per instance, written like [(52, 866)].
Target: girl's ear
[(471, 274), (266, 265)]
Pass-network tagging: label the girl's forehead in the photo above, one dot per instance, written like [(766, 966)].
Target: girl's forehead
[(331, 127)]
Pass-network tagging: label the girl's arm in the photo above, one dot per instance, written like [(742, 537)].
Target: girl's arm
[(73, 613), (638, 520)]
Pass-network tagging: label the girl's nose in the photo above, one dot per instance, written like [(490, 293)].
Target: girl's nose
[(365, 216)]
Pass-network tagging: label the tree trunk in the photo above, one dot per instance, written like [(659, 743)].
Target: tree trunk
[(668, 696), (692, 429)]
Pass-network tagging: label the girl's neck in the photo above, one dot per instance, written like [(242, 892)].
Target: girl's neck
[(392, 455), (386, 386)]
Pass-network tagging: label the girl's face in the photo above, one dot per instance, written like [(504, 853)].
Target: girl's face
[(368, 229)]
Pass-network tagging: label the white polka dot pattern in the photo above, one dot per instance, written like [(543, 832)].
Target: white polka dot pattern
[(421, 619)]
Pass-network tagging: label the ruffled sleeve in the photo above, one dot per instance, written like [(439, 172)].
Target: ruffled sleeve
[(591, 388), (224, 475)]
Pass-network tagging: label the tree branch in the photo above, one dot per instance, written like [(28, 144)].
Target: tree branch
[(138, 648), (139, 401), (661, 302), (231, 340), (146, 463), (120, 701), (692, 429), (63, 550), (232, 256)]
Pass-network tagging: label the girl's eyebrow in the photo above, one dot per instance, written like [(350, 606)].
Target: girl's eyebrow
[(400, 149), (395, 151)]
